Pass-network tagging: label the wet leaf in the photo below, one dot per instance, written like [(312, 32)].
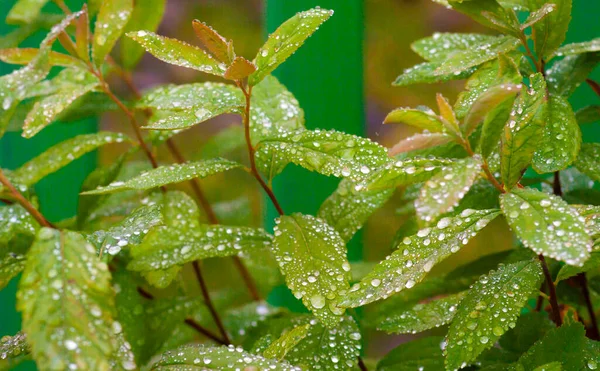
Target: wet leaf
[(61, 155), (568, 271), (492, 128), (530, 327), (486, 103), (420, 141), (415, 257), (442, 192), (168, 174), (550, 32), (568, 73), (110, 24), (240, 69), (63, 268), (587, 161), (312, 257), (17, 231), (579, 48), (216, 44), (421, 317), (27, 55), (588, 114), (427, 73), (478, 54), (441, 46), (286, 39), (547, 225), (523, 130), (146, 15), (25, 11), (203, 357), (424, 353), (489, 13), (490, 307), (13, 350), (326, 152), (280, 347), (538, 15), (347, 209), (420, 118), (178, 52), (561, 139)]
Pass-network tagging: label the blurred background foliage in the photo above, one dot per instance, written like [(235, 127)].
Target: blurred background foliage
[(389, 28)]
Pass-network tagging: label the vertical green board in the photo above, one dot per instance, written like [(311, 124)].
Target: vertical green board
[(326, 76), (58, 192)]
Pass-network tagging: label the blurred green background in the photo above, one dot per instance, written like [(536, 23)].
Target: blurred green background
[(342, 78)]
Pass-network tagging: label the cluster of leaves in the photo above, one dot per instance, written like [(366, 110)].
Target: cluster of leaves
[(101, 290)]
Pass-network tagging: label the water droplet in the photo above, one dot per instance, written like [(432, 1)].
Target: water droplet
[(317, 301)]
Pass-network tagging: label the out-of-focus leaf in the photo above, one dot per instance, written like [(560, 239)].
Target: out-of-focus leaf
[(146, 15), (62, 154), (530, 327), (522, 132), (568, 73), (419, 118), (550, 32), (216, 44), (178, 52), (547, 225), (110, 24), (587, 115), (478, 54), (427, 73), (164, 175), (347, 209), (217, 358), (488, 309), (27, 55), (424, 353), (415, 257), (420, 141), (67, 303), (280, 347), (441, 46), (420, 317), (579, 48), (444, 190), (286, 39), (561, 139), (326, 152), (587, 161), (25, 11), (312, 257)]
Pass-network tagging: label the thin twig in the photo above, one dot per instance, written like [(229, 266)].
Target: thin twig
[(582, 279), (362, 365), (540, 300), (61, 4), (24, 202), (195, 325), (486, 168), (556, 186), (552, 290), (594, 85), (208, 301)]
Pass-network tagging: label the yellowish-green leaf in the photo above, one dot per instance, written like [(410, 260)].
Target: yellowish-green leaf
[(567, 271), (280, 347), (491, 306), (579, 48), (110, 24), (169, 174), (486, 103), (550, 32), (25, 11), (489, 13), (523, 131), (27, 55), (427, 73), (312, 257), (67, 303), (568, 73), (440, 46), (416, 255), (538, 15), (146, 15), (547, 225), (419, 142), (13, 350), (420, 118), (286, 39), (561, 140)]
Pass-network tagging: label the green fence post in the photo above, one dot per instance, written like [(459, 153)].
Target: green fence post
[(326, 76)]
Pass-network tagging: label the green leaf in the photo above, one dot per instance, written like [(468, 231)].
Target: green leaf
[(420, 354), (419, 142), (547, 225), (25, 11), (203, 357), (487, 103), (128, 232), (17, 231), (489, 13), (13, 350), (326, 152), (588, 115), (415, 257), (178, 52), (420, 118), (538, 15), (579, 48), (553, 366), (522, 132), (312, 257), (170, 174), (587, 161), (567, 345), (27, 55), (44, 112), (61, 155), (568, 73), (489, 309), (478, 54), (146, 15), (442, 192), (568, 271), (492, 128), (67, 303), (549, 33), (561, 140), (420, 317), (441, 46), (591, 215), (286, 39), (530, 327), (427, 73), (110, 24), (280, 347), (347, 209)]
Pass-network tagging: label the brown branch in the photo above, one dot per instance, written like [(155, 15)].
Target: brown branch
[(594, 85), (582, 279), (552, 290), (24, 202), (362, 365), (208, 301), (484, 165), (196, 326)]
